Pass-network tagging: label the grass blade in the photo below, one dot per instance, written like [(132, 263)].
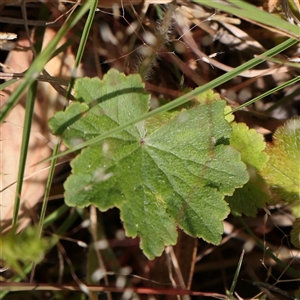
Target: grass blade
[(78, 58), (245, 10), (38, 64), (187, 97)]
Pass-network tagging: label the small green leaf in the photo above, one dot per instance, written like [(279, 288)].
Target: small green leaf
[(23, 247), (162, 173), (229, 116), (207, 97), (282, 171), (295, 233), (251, 145), (254, 194)]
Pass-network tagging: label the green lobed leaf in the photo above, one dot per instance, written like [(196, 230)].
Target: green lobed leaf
[(254, 194), (282, 172), (160, 177)]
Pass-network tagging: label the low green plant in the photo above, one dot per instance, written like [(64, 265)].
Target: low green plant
[(23, 248), (166, 168), (173, 169)]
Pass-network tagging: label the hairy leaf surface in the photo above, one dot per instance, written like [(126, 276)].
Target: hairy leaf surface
[(254, 194), (159, 174), (282, 171)]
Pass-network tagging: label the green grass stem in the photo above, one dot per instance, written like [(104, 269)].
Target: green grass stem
[(40, 61)]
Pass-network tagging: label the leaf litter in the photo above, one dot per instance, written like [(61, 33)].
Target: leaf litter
[(191, 75)]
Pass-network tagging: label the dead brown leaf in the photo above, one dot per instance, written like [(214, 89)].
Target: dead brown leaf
[(41, 141)]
